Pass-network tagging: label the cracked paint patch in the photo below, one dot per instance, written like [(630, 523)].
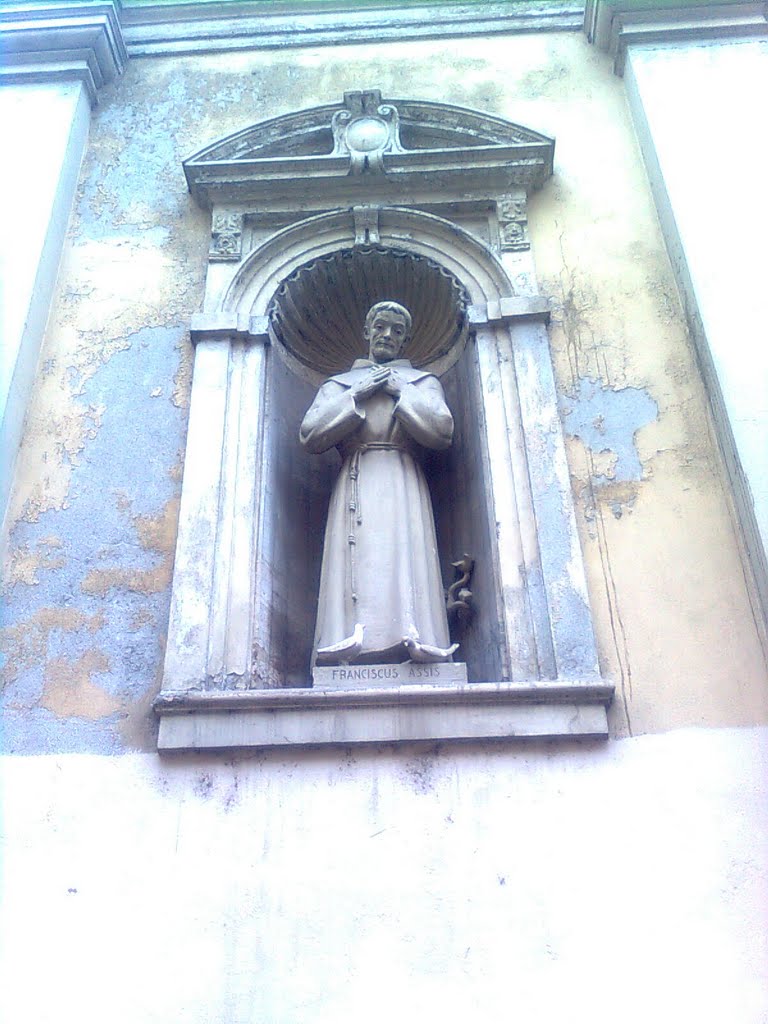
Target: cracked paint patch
[(607, 421), (155, 533), (27, 641), (25, 563)]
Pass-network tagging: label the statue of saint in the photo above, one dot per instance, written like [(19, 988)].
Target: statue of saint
[(381, 592)]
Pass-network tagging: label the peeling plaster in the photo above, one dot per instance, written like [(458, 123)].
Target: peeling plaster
[(26, 641), (155, 533), (70, 691), (24, 563), (88, 581), (607, 421)]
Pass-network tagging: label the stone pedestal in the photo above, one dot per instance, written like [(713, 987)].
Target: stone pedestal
[(369, 677)]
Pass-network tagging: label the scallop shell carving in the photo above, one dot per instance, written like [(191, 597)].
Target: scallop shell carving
[(318, 312)]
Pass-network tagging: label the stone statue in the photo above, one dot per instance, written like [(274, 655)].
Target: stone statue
[(381, 592)]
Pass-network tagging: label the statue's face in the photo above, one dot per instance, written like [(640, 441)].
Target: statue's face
[(386, 336)]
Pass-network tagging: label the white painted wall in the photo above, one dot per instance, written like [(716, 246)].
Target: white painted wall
[(625, 881), (700, 114), (45, 129)]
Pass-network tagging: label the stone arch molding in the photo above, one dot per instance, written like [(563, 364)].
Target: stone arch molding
[(460, 252), (456, 198), (465, 258)]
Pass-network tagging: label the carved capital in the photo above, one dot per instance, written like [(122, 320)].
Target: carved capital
[(509, 309), (228, 326)]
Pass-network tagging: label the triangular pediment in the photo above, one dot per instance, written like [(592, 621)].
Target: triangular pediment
[(366, 137)]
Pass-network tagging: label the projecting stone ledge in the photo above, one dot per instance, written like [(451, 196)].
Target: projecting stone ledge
[(221, 720)]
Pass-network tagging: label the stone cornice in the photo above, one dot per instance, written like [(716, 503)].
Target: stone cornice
[(89, 41), (79, 41), (613, 25), (193, 28)]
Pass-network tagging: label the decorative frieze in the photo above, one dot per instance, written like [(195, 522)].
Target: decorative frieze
[(512, 215), (226, 237)]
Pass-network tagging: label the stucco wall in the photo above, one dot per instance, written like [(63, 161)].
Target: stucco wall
[(676, 95), (616, 882)]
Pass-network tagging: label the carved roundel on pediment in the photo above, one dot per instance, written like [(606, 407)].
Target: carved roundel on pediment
[(366, 134), (317, 314)]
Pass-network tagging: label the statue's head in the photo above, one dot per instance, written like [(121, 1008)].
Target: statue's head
[(387, 331)]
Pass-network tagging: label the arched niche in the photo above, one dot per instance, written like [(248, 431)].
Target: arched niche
[(296, 486), (279, 315)]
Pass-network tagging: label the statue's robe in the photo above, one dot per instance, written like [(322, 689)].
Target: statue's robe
[(380, 562)]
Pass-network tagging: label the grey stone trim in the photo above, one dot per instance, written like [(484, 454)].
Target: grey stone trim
[(22, 347), (613, 25), (511, 308), (228, 327), (61, 43), (207, 28), (216, 720), (45, 44), (477, 156)]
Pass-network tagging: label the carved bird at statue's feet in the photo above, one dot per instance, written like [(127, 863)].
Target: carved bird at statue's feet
[(426, 652), (345, 650)]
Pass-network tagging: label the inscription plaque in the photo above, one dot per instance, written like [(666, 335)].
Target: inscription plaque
[(365, 677)]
